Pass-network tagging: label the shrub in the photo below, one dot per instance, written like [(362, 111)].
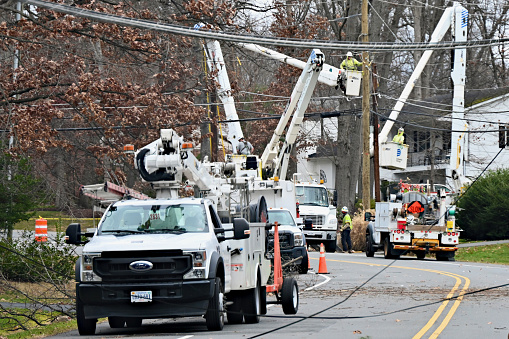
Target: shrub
[(25, 260), (483, 209)]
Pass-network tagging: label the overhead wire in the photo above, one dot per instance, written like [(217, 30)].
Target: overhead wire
[(276, 41)]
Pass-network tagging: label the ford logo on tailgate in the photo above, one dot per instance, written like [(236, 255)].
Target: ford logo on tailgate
[(141, 266)]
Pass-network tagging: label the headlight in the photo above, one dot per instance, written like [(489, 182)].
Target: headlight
[(87, 267), (298, 239), (333, 221), (199, 265)]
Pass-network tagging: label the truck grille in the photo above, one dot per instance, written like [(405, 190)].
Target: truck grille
[(167, 266), (316, 219), (285, 241)]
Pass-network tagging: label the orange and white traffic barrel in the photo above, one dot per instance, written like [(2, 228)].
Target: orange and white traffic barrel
[(41, 230)]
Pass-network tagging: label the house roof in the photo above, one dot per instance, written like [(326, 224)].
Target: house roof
[(441, 105)]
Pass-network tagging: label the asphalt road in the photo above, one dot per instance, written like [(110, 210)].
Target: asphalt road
[(368, 298)]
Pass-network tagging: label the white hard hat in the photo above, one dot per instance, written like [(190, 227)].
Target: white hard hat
[(344, 209), (401, 129), (349, 54)]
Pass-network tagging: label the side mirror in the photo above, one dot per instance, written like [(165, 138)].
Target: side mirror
[(241, 229), (367, 216), (335, 198), (308, 224), (73, 234)]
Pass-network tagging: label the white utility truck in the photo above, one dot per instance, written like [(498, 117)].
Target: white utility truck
[(171, 257), (413, 222)]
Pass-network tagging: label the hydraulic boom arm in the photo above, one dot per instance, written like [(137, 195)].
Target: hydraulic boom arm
[(277, 159)]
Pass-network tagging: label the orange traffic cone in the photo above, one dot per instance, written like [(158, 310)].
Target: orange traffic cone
[(322, 266), (41, 230)]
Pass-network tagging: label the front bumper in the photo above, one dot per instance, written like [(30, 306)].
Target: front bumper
[(293, 253), (169, 299)]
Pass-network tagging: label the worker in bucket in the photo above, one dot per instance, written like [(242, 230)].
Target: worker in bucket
[(349, 64), (346, 228), (399, 138), (244, 147)]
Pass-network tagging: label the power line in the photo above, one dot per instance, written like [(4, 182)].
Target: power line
[(275, 41)]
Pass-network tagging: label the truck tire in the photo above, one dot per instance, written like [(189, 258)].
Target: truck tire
[(263, 299), (85, 326), (234, 311), (133, 322), (420, 254), (215, 312), (445, 257), (388, 249), (252, 305), (116, 322), (330, 246), (290, 296), (304, 265), (369, 246)]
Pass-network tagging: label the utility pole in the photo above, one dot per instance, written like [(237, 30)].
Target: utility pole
[(376, 155), (366, 194)]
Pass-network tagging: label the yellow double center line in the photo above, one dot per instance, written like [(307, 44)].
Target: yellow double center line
[(444, 304)]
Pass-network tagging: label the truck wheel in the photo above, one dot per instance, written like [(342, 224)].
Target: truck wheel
[(263, 299), (304, 265), (215, 312), (116, 322), (420, 254), (387, 249), (290, 296), (369, 246), (85, 326), (446, 257), (330, 246), (234, 311), (133, 322), (252, 305)]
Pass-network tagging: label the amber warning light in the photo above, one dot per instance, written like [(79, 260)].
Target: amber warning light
[(129, 148)]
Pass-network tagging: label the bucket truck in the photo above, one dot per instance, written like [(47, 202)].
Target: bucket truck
[(173, 257), (306, 200), (416, 222)]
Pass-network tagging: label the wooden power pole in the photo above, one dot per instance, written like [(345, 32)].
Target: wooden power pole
[(366, 183)]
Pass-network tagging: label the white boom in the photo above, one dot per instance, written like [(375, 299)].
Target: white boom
[(273, 157), (215, 62), (329, 75)]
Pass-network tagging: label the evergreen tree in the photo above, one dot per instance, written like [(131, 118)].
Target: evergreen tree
[(483, 209)]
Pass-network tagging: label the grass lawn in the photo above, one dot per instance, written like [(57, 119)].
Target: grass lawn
[(57, 221), (493, 254)]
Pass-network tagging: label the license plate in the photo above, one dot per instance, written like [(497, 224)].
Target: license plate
[(141, 296)]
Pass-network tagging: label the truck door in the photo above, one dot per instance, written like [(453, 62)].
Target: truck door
[(223, 248)]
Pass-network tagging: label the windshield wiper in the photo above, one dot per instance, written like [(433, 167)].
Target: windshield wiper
[(122, 231), (311, 203), (178, 230)]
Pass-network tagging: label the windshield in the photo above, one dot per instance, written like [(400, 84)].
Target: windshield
[(155, 219), (314, 196), (282, 217)]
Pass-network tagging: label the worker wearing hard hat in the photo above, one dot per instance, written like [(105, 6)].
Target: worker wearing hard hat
[(244, 147), (349, 64), (399, 138), (346, 228)]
